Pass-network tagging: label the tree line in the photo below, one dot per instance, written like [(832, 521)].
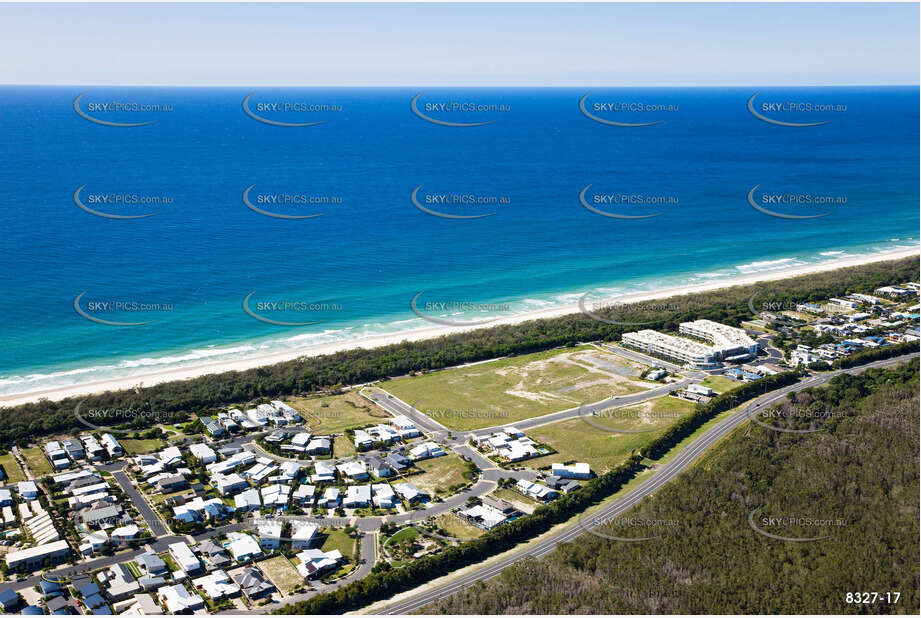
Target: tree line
[(176, 401)]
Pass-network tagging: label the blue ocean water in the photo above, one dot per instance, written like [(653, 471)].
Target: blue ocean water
[(354, 270)]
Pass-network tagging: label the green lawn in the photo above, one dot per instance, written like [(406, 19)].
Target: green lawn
[(504, 391), (406, 534), (336, 413), (719, 384), (168, 561), (339, 539), (440, 474), (577, 440), (140, 447), (174, 434), (14, 473), (347, 546), (35, 459)]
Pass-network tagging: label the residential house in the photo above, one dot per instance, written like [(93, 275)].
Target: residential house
[(314, 562), (410, 492), (398, 462), (199, 509), (269, 533), (571, 471), (203, 453), (405, 427), (426, 450), (228, 485), (362, 439), (248, 500), (213, 426), (215, 555), (124, 534), (217, 585), (484, 516), (384, 496), (539, 492), (73, 448), (253, 583), (354, 470), (275, 496), (303, 534), (151, 564), (304, 495), (330, 498), (261, 470), (184, 557), (243, 547), (324, 472), (178, 600), (27, 490), (378, 467), (171, 483), (111, 445), (120, 583), (357, 496), (319, 445)]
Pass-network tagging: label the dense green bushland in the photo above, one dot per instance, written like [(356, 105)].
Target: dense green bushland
[(869, 356), (859, 471)]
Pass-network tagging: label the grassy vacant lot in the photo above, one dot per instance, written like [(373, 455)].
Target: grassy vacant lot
[(520, 502), (577, 440), (339, 539), (440, 474), (343, 447), (14, 473), (511, 389), (457, 527), (719, 384), (347, 546), (140, 447), (336, 413), (174, 433), (282, 573), (35, 459)]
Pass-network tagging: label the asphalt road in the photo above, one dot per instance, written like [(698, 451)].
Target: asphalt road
[(665, 474), (157, 527)]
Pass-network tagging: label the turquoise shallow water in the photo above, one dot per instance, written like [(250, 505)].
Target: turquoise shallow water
[(354, 270)]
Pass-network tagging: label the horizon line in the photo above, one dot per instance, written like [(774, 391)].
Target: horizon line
[(823, 85)]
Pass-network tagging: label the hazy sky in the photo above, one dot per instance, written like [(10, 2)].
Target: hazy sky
[(449, 44)]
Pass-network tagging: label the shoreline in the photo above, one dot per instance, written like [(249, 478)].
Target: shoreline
[(372, 341)]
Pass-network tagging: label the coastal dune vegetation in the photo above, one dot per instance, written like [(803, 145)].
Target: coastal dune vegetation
[(176, 401)]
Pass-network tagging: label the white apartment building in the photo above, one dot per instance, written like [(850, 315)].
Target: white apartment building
[(682, 350), (727, 340)]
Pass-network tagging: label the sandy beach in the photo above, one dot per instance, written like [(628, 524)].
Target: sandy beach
[(181, 373)]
